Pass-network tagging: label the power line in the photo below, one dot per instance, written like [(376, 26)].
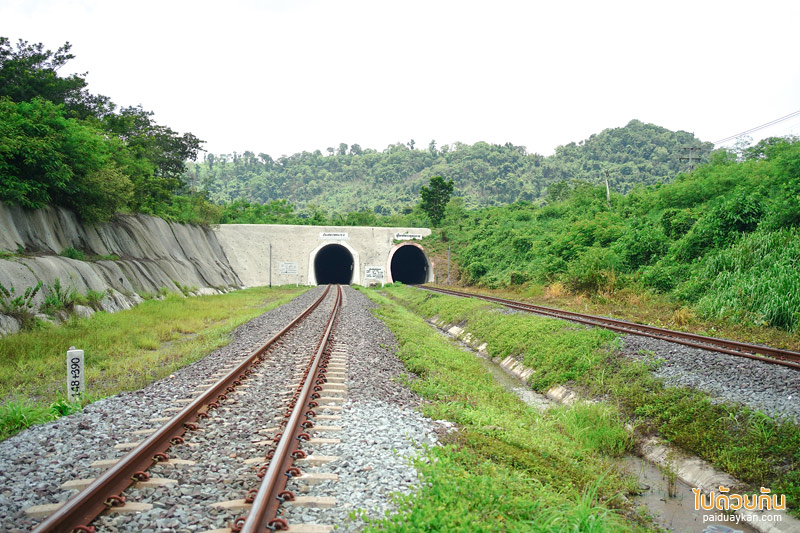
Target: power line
[(751, 130), (761, 127)]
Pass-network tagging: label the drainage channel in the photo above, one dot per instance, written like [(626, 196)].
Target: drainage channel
[(670, 504)]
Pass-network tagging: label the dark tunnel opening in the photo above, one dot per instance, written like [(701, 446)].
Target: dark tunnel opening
[(333, 264), (409, 265)]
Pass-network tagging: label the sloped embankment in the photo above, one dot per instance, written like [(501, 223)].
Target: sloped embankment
[(130, 256)]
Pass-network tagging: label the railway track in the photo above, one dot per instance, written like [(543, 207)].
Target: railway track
[(740, 349), (316, 390)]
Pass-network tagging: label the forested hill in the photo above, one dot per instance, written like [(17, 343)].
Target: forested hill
[(349, 178)]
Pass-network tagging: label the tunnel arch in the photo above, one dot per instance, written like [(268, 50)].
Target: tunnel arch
[(408, 264), (333, 263)]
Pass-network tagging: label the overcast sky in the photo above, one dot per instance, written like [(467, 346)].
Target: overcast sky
[(284, 76)]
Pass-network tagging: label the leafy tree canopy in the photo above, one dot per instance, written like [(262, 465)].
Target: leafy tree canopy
[(435, 198), (60, 144)]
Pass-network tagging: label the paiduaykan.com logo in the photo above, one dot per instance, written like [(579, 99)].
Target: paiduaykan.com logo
[(727, 506)]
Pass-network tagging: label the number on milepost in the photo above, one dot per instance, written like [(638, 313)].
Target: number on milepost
[(76, 382)]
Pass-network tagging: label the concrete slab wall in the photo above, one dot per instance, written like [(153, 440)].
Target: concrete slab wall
[(247, 247)]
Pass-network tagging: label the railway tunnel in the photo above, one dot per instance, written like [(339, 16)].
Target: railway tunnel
[(409, 264), (333, 263)]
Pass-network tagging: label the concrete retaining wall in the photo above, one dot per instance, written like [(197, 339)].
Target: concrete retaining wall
[(153, 254)]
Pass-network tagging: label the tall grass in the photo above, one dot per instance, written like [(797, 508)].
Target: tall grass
[(124, 350), (757, 278), (510, 467)]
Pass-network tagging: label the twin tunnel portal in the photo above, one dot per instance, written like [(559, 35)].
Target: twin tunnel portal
[(334, 263), (283, 254)]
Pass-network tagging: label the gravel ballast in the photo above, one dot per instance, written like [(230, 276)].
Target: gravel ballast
[(772, 389), (381, 431)]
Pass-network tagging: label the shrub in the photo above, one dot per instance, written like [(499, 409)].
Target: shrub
[(664, 276), (640, 244), (94, 298), (721, 225), (64, 407), (72, 253), (518, 278), (676, 222), (185, 289), (19, 307), (594, 270), (477, 270), (59, 298)]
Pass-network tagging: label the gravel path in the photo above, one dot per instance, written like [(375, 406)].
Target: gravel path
[(381, 431), (773, 389)]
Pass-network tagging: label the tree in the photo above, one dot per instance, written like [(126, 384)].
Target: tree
[(165, 150), (46, 157), (435, 198), (61, 144), (29, 71)]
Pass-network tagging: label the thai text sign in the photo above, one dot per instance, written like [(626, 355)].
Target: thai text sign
[(407, 236), (374, 272), (288, 268)]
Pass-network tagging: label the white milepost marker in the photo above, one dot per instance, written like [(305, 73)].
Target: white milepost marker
[(76, 382)]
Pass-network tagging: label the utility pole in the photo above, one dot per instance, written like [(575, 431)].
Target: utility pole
[(270, 265), (448, 263), (689, 157)]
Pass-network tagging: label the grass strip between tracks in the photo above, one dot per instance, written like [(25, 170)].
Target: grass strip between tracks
[(509, 467), (123, 351), (745, 443)]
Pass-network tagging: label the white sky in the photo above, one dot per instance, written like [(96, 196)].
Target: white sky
[(283, 76)]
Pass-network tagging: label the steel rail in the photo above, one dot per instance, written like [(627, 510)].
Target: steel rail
[(776, 356), (272, 491), (107, 489)]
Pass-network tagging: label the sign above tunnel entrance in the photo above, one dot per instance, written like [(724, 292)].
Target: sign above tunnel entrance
[(333, 236), (407, 236)]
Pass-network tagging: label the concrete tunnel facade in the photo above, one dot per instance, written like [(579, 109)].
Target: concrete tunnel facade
[(279, 254)]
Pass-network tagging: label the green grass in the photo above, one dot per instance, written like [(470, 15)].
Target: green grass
[(124, 350), (509, 467), (744, 443)]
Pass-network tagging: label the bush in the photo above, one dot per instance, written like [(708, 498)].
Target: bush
[(49, 158), (59, 298), (477, 270), (639, 245), (72, 253), (664, 276), (676, 222), (721, 225), (19, 307), (594, 270), (94, 299), (518, 278)]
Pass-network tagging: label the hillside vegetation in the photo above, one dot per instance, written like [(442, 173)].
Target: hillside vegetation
[(62, 145), (352, 179), (724, 238)]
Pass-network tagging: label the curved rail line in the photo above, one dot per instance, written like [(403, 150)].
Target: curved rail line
[(106, 490), (740, 349)]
